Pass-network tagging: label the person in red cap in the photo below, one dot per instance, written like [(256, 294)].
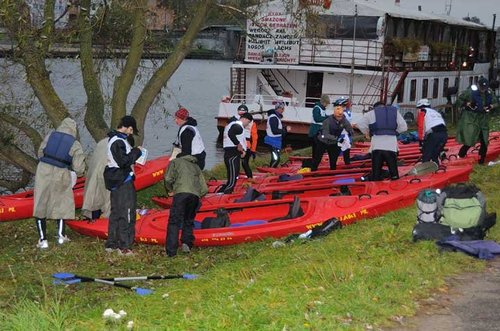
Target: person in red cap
[(188, 137)]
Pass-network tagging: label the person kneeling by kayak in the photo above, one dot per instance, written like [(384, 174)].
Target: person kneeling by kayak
[(185, 182)]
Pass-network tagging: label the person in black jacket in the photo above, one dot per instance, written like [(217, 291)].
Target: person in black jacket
[(119, 179), (188, 137), (334, 138)]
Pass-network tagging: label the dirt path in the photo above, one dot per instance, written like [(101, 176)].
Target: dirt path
[(472, 303)]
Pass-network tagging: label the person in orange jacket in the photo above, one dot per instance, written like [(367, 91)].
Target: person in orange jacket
[(251, 138)]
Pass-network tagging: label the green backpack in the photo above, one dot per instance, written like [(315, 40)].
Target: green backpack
[(461, 206)]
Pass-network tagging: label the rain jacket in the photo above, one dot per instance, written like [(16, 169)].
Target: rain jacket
[(471, 123), (184, 176), (53, 197), (96, 196)]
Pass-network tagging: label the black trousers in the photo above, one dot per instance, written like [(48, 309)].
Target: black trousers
[(378, 159), (245, 163), (182, 213), (483, 148), (232, 162), (275, 157), (200, 159), (121, 225), (433, 145), (333, 155), (41, 226)]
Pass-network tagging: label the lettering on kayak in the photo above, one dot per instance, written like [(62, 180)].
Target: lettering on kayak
[(310, 226), (157, 173), (352, 216), (222, 234), (7, 210), (148, 240)]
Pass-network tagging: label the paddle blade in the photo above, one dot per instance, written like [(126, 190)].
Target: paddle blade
[(344, 181), (143, 291), (66, 281), (423, 169), (190, 276), (63, 275)]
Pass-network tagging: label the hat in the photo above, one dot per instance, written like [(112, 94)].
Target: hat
[(182, 114), (248, 116), (342, 101), (243, 108), (423, 103), (278, 105), (129, 121), (482, 82)]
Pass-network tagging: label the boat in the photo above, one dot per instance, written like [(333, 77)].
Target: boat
[(332, 187), (257, 220), (20, 205), (362, 50)]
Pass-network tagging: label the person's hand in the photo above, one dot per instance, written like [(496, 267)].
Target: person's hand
[(240, 148), (243, 154), (252, 154), (340, 140), (288, 128), (170, 194)]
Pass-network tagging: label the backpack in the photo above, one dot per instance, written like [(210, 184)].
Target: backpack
[(427, 206), (461, 206), (220, 221)]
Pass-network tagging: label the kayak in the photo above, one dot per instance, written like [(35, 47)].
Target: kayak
[(330, 187), (256, 221), (20, 205)]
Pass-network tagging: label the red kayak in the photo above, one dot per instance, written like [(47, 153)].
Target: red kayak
[(328, 187), (256, 221), (20, 205)]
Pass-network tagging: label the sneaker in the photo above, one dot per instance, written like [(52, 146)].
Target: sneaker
[(185, 248), (62, 239), (42, 244), (125, 251), (110, 250)]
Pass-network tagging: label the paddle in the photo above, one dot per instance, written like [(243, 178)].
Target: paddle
[(81, 279), (423, 169), (67, 276)]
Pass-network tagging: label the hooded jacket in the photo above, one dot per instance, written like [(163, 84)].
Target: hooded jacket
[(53, 196), (121, 156), (184, 176)]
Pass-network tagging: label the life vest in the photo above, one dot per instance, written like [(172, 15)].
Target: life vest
[(269, 132), (477, 99), (432, 120), (226, 142), (385, 121), (56, 152), (197, 146), (111, 161), (322, 112)]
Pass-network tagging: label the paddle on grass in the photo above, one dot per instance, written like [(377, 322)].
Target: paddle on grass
[(67, 276), (423, 169), (81, 279)]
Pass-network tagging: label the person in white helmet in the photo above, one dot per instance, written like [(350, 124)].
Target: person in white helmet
[(432, 132)]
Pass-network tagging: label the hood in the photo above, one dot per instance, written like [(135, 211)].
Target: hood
[(116, 133), (191, 121), (232, 119), (189, 158), (272, 111), (318, 103), (68, 126)]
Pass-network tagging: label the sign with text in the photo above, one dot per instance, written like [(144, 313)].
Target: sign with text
[(273, 37)]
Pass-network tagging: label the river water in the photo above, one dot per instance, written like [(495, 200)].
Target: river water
[(197, 85)]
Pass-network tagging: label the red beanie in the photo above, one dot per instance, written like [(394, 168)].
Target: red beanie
[(182, 114)]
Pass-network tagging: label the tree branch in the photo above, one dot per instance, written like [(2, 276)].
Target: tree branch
[(167, 69), (94, 115), (123, 83)]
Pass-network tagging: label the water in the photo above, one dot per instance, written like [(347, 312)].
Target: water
[(197, 85)]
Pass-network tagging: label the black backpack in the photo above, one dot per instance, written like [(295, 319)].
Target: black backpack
[(220, 221)]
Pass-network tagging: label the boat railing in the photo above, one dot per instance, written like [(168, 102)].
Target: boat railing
[(364, 53)]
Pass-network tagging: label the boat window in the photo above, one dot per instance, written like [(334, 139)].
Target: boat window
[(413, 89), (342, 27), (425, 88), (435, 88), (446, 83)]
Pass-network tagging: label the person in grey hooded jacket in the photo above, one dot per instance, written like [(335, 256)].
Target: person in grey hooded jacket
[(59, 154)]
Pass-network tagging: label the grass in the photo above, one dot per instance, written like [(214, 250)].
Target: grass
[(363, 276)]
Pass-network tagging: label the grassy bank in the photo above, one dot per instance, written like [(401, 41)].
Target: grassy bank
[(364, 276)]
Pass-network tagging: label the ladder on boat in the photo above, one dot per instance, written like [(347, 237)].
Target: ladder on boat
[(238, 84)]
